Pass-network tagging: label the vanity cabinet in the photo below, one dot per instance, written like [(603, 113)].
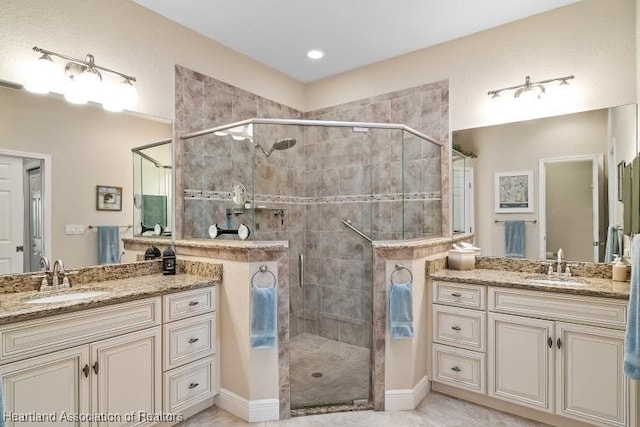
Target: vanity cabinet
[(553, 365), (553, 352), (459, 335), (113, 376), (190, 346)]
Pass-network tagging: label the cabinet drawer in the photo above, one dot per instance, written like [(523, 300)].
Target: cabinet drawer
[(189, 385), (460, 327), (25, 339), (459, 294), (189, 339), (460, 368), (188, 304), (557, 306)]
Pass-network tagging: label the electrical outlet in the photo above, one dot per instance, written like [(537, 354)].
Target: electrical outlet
[(74, 229)]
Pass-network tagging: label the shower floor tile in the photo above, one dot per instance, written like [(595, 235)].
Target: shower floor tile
[(325, 372)]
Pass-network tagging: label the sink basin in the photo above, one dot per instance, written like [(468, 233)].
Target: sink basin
[(65, 297), (558, 282)]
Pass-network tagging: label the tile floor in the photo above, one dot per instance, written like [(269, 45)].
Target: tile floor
[(436, 410), (325, 372)]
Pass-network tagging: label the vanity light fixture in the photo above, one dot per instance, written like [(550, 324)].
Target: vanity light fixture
[(84, 81), (531, 90)]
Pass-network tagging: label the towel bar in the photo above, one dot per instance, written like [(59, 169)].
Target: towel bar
[(400, 267), (121, 226), (533, 221), (263, 269)]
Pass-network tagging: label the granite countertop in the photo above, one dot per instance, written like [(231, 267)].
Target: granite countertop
[(523, 280), (14, 306)]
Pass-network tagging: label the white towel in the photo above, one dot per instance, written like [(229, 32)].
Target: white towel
[(632, 335)]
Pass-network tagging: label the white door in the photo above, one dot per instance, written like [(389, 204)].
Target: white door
[(590, 383), (127, 375), (11, 215), (51, 384), (521, 361)]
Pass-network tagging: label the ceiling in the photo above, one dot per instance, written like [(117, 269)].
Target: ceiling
[(352, 33)]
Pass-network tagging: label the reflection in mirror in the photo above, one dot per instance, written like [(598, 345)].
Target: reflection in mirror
[(568, 155), (153, 189), (80, 148), (462, 185)]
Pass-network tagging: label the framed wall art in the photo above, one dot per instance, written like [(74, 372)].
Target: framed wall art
[(513, 192), (108, 198)]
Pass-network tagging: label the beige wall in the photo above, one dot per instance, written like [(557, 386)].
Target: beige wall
[(593, 39), (518, 147), (88, 147), (406, 358), (131, 39)]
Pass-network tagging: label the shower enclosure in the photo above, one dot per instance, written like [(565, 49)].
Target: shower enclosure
[(329, 188)]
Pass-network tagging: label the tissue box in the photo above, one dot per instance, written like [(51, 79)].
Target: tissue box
[(461, 259)]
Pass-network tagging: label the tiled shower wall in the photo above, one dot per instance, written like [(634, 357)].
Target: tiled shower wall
[(329, 175)]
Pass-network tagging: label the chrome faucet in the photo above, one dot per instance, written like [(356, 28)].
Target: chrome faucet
[(58, 266), (44, 263)]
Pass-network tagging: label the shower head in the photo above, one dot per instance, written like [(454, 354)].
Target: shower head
[(281, 144)]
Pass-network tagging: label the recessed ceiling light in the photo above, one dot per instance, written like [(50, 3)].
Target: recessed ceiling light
[(315, 54)]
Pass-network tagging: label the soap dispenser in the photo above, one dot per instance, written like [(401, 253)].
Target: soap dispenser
[(619, 270), (168, 261)]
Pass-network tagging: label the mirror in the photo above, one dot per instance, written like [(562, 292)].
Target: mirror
[(570, 155), (153, 189), (78, 149)]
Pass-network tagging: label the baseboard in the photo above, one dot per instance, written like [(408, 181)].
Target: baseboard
[(406, 400), (249, 410)]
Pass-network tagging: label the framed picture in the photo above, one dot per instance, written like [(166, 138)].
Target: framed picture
[(514, 192), (108, 198), (620, 180)]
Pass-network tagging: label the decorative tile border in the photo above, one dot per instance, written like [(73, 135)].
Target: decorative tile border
[(273, 198)]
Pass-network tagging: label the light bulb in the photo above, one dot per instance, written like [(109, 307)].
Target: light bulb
[(90, 82), (42, 75), (127, 94), (112, 102), (74, 93)]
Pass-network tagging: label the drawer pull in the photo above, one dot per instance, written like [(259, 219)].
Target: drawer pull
[(559, 342), (456, 328), (192, 303), (95, 367), (456, 294), (550, 342), (193, 385), (192, 340), (86, 371), (456, 369)]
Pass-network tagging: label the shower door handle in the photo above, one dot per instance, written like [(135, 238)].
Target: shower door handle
[(301, 270)]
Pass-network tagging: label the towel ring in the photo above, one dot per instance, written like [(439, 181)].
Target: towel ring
[(263, 269), (400, 267)]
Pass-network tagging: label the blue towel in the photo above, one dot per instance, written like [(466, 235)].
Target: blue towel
[(632, 335), (108, 244), (613, 246), (263, 317), (401, 310), (514, 239)]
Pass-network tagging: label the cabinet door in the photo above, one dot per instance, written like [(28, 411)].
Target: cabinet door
[(128, 377), (53, 385), (590, 383), (520, 360)]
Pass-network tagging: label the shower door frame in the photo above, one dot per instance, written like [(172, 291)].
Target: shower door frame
[(378, 283)]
